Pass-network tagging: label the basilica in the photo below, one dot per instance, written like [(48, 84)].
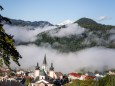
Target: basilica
[(44, 76)]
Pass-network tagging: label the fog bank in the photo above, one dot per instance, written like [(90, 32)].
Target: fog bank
[(95, 58)]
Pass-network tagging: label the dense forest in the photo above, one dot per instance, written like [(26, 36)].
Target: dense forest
[(95, 34)]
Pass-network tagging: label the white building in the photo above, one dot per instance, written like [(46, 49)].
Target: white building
[(43, 76)]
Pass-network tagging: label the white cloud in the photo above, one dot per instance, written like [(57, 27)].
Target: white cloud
[(95, 58), (101, 18), (24, 34), (71, 29), (112, 36)]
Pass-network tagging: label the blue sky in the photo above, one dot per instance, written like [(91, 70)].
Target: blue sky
[(56, 11)]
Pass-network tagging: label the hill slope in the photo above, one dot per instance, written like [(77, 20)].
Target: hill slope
[(83, 33)]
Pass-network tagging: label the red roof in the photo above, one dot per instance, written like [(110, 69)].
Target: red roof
[(27, 77), (75, 74)]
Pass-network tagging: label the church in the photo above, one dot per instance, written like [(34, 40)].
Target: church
[(45, 77)]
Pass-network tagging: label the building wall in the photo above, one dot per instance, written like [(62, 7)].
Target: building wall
[(52, 74), (36, 73), (111, 73)]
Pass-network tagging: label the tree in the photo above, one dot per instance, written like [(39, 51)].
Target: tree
[(27, 82), (7, 48)]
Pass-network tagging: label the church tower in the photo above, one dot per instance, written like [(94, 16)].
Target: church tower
[(37, 70), (51, 72), (51, 68), (44, 66)]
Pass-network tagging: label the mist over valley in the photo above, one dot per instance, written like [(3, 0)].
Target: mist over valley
[(81, 44)]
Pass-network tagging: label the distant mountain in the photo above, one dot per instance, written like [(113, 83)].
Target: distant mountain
[(84, 33), (65, 22), (86, 21), (91, 24), (29, 23)]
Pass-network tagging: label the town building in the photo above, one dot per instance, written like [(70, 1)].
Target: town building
[(45, 77), (74, 76)]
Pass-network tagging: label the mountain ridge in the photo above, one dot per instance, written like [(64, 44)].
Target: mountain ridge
[(94, 35), (76, 36), (29, 23)]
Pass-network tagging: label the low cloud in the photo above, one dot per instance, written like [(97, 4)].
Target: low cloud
[(26, 33), (95, 58), (101, 18), (112, 36), (68, 30)]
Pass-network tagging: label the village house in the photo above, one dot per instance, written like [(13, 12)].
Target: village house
[(111, 72), (74, 75)]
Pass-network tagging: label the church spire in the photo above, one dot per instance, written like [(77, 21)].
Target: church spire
[(37, 67), (44, 61), (44, 66), (51, 68)]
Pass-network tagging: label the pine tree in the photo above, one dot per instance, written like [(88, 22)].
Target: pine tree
[(7, 48)]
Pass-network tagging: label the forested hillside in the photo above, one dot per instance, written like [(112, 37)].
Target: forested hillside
[(94, 34)]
